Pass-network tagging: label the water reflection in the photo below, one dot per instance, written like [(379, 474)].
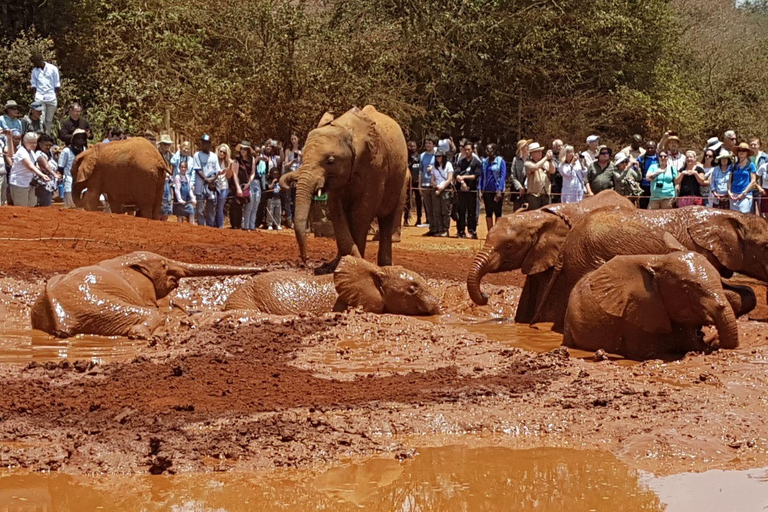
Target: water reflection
[(451, 478)]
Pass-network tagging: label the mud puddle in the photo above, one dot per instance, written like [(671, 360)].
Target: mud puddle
[(445, 478)]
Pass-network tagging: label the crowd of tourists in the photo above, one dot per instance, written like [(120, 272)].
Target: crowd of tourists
[(453, 182), (448, 181)]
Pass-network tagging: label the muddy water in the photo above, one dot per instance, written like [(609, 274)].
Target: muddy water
[(448, 478)]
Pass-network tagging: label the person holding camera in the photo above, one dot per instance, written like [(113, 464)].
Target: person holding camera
[(538, 169), (662, 177), (24, 171)]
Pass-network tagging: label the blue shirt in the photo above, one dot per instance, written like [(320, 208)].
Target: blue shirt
[(741, 177), (425, 160), (176, 160), (493, 175), (646, 161), (6, 123)]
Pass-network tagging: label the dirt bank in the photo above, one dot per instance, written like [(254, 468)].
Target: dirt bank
[(243, 393)]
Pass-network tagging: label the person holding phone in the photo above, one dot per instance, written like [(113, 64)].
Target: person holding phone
[(662, 177)]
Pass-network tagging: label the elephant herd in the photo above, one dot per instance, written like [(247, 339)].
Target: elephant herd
[(639, 283)]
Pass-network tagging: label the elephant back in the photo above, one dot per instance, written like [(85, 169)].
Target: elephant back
[(285, 293)]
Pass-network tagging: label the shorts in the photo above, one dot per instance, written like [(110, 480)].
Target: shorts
[(492, 207)]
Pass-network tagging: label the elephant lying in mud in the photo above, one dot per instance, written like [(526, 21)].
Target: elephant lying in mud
[(730, 241), (117, 297), (647, 306), (530, 241), (355, 282)]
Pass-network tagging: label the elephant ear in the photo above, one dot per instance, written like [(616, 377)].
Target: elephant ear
[(84, 165), (625, 289), (326, 119), (367, 142), (359, 283), (721, 234), (548, 239)]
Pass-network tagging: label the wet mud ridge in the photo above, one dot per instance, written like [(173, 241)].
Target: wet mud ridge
[(223, 396)]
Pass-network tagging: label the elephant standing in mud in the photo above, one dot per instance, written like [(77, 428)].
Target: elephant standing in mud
[(361, 160), (128, 172), (117, 297), (354, 283), (730, 241), (531, 241), (646, 306)]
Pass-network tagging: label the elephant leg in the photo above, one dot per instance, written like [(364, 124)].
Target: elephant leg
[(115, 207), (117, 318), (741, 298), (530, 298), (345, 241), (92, 200), (387, 226)]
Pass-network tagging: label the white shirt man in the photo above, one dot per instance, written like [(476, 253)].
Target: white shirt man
[(45, 86)]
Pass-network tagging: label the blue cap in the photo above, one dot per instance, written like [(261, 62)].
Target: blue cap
[(15, 132), (206, 138), (36, 105)]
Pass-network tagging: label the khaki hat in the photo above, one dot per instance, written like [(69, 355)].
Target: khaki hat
[(522, 143), (742, 147), (11, 104), (79, 131), (535, 146), (724, 154), (165, 139)]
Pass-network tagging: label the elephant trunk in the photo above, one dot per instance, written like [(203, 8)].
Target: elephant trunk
[(725, 322), (193, 270), (305, 190), (487, 260)]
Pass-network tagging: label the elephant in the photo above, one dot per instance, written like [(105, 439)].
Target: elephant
[(355, 283), (650, 305), (361, 160), (116, 297), (730, 241), (530, 241), (128, 172)]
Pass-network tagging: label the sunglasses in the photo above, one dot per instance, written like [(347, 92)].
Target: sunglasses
[(605, 154), (663, 156)]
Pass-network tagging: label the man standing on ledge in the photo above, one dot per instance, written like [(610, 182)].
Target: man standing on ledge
[(45, 85), (75, 121)]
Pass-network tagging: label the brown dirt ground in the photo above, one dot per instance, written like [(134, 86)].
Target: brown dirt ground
[(238, 393)]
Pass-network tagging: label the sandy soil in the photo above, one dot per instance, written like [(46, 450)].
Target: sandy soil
[(224, 392)]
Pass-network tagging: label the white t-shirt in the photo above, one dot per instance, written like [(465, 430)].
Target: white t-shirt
[(46, 81), (762, 175), (21, 176), (445, 144), (2, 156), (441, 175)]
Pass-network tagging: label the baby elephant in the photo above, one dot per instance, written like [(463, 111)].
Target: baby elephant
[(355, 282), (649, 305), (117, 297)]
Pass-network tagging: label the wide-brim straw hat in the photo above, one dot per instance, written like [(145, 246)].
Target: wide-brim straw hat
[(522, 143), (535, 146), (724, 154), (245, 145), (742, 147), (165, 139)]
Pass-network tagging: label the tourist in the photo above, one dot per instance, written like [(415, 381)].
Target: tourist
[(426, 164), (742, 180), (574, 176), (662, 177), (78, 144), (414, 195), (45, 84), (671, 142), (690, 180), (75, 121), (442, 178), (292, 162), (708, 163), (24, 170), (47, 164), (601, 175), (182, 155), (729, 141), (492, 180), (241, 183), (644, 163), (184, 206), (517, 178), (114, 134), (635, 149), (227, 170), (6, 161), (556, 179), (10, 119), (33, 122), (720, 180), (714, 144), (759, 158), (468, 170), (538, 169), (273, 203), (446, 142), (589, 156), (205, 166), (164, 146)]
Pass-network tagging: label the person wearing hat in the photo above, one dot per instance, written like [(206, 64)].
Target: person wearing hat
[(75, 121), (601, 175), (78, 144), (33, 122), (719, 180), (671, 142), (10, 119), (627, 178), (45, 84), (662, 177), (743, 180), (589, 156), (517, 173), (205, 169), (538, 171), (714, 144), (635, 149)]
